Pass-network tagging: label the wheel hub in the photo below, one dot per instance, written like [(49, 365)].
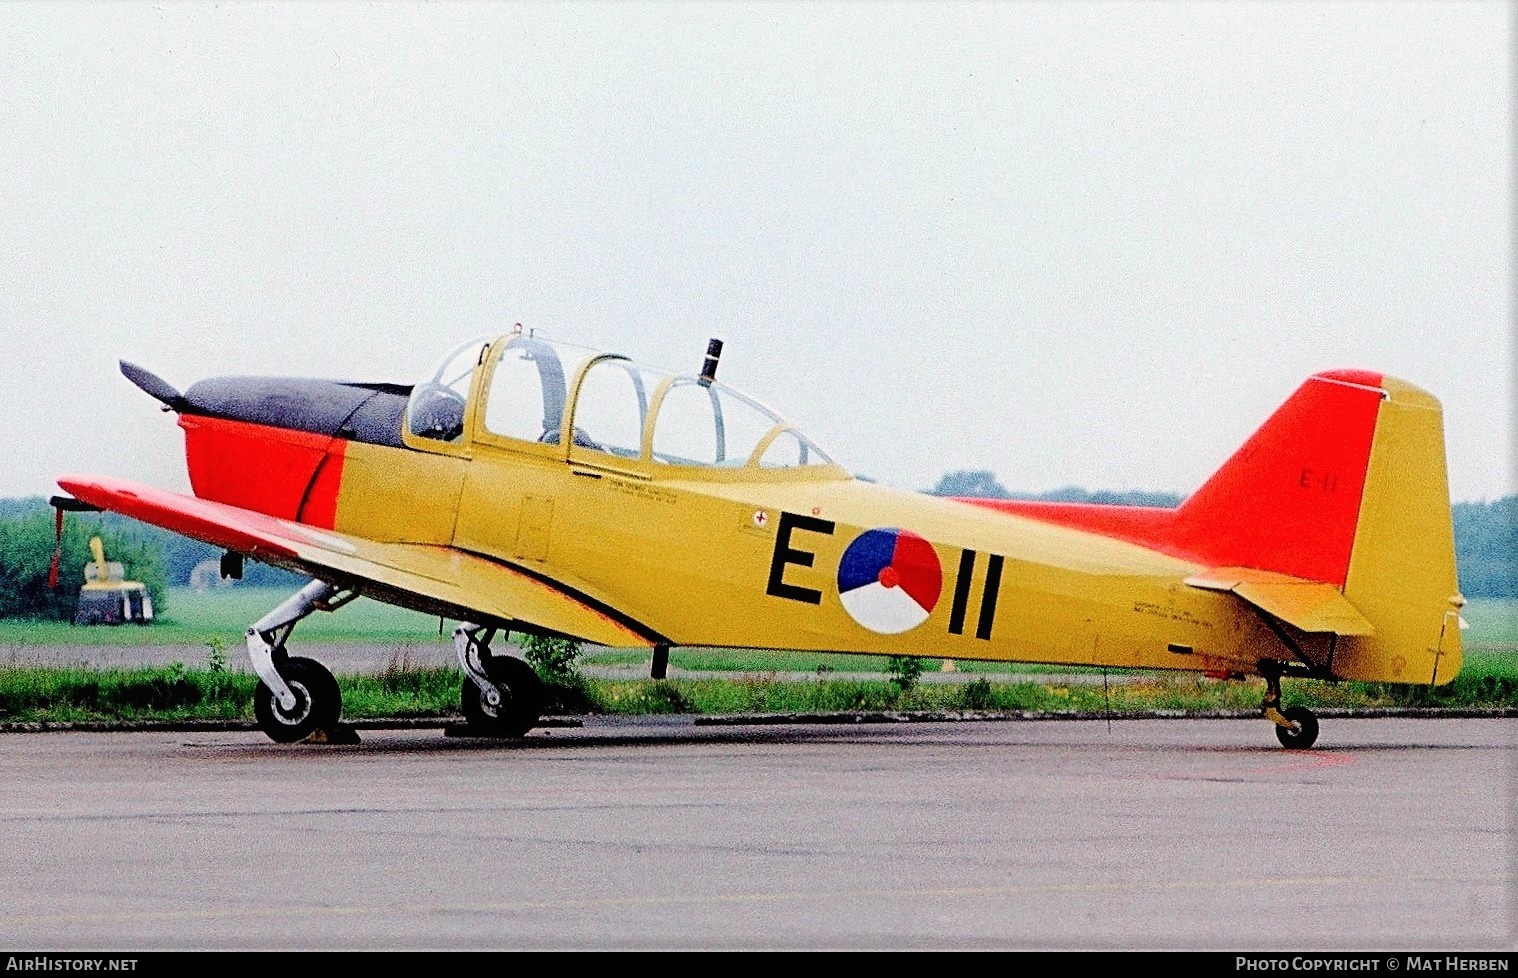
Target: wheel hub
[(298, 713)]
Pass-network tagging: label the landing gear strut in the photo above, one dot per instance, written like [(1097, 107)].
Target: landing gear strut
[(502, 694), (1296, 726), (296, 697)]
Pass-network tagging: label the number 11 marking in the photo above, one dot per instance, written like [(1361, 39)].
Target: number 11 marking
[(988, 593)]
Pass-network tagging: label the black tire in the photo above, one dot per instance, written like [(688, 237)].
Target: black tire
[(521, 698), (319, 702), (1306, 734)]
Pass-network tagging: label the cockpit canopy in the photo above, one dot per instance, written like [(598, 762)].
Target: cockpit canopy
[(540, 391)]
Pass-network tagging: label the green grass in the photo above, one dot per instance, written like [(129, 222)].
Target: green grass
[(73, 695), (29, 694), (178, 693)]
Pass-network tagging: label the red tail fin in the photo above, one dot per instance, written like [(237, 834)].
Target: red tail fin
[(1287, 501)]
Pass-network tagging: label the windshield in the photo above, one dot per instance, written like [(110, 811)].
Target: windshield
[(436, 408)]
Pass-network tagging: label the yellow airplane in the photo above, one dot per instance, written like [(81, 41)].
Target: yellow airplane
[(533, 486)]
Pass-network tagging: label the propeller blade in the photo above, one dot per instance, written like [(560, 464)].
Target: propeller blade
[(154, 385)]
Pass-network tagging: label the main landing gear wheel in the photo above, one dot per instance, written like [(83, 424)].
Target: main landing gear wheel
[(520, 703), (318, 702), (1306, 732)]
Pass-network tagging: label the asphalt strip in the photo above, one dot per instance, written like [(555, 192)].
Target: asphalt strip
[(453, 726)]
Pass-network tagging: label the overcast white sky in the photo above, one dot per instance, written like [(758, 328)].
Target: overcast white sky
[(1088, 244)]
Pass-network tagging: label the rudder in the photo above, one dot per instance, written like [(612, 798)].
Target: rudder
[(1402, 573)]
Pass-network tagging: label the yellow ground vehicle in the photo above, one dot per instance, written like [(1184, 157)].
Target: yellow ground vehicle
[(106, 598)]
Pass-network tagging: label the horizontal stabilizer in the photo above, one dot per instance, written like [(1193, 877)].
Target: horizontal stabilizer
[(1311, 606)]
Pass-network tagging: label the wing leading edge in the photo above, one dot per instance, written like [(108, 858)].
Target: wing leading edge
[(434, 579)]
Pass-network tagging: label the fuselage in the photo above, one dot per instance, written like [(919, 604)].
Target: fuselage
[(797, 557)]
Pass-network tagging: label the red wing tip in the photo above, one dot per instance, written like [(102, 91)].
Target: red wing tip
[(83, 485), (1350, 375), (76, 485)]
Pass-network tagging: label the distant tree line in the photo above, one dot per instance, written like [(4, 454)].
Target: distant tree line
[(1486, 533), (982, 484), (1486, 548)]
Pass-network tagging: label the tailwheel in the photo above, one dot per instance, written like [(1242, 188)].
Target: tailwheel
[(1303, 731), (318, 702), (1296, 726), (512, 707)]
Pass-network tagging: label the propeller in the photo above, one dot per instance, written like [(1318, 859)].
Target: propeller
[(154, 385)]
